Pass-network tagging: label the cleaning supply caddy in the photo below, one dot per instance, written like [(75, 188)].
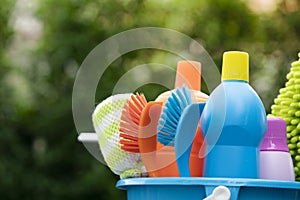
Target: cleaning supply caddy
[(239, 155)]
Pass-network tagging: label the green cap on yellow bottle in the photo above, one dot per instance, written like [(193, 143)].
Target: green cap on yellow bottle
[(235, 66)]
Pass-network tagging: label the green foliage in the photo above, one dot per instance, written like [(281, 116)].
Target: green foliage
[(40, 157)]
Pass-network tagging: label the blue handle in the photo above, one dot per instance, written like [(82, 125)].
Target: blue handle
[(185, 134)]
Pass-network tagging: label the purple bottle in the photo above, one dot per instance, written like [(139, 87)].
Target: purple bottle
[(275, 159)]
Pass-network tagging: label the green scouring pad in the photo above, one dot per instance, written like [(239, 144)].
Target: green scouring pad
[(287, 106)]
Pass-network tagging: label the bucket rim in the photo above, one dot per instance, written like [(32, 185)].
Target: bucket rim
[(205, 181)]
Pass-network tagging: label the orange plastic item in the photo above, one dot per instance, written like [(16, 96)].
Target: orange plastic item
[(147, 136), (188, 73), (160, 160)]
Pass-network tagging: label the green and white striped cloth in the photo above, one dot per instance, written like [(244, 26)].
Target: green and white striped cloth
[(106, 121)]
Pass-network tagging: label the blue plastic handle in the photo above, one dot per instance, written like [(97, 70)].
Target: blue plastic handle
[(185, 134)]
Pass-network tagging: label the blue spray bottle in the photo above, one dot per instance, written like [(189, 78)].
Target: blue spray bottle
[(233, 122)]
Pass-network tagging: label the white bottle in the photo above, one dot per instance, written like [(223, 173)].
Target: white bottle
[(275, 159)]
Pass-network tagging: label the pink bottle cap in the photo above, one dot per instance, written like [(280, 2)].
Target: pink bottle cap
[(275, 137)]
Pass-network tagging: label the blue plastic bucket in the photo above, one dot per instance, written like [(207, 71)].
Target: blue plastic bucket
[(199, 188)]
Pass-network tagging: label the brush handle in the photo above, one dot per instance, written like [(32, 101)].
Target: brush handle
[(147, 136), (185, 134)]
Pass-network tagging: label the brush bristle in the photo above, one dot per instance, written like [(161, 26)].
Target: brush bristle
[(169, 118), (129, 124)]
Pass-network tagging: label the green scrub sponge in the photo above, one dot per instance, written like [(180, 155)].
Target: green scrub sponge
[(287, 106)]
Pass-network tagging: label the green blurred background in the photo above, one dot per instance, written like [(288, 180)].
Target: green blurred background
[(43, 43)]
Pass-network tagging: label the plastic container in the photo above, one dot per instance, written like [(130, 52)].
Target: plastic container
[(233, 122), (164, 160), (275, 159), (200, 187)]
